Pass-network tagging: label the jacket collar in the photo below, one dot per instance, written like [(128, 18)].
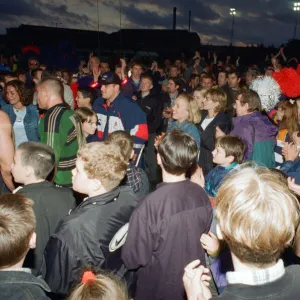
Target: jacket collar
[(22, 278), (53, 107)]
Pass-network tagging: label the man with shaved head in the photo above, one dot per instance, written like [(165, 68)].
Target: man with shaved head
[(59, 128)]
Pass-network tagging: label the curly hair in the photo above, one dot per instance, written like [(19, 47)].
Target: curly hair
[(25, 94)]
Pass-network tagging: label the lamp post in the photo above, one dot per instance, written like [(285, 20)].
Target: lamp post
[(296, 9), (232, 12)]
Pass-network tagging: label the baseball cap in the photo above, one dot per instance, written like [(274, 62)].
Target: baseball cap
[(110, 78)]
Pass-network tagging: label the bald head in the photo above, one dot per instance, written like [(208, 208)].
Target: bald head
[(50, 93)]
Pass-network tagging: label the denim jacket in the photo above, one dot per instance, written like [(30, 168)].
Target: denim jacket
[(31, 120), (20, 285)]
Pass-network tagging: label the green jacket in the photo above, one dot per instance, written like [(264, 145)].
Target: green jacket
[(58, 130)]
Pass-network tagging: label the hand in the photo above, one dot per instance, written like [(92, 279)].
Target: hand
[(196, 281), (91, 54), (158, 139), (238, 59), (296, 138), (215, 55), (134, 98), (197, 55), (197, 176), (281, 50), (96, 73), (219, 132), (293, 186), (290, 152), (123, 63), (210, 243)]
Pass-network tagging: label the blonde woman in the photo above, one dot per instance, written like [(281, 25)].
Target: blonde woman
[(186, 114), (199, 96)]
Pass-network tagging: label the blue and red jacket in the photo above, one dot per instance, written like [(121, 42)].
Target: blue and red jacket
[(122, 114)]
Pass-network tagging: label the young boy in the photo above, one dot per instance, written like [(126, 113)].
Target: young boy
[(33, 162), (164, 227), (135, 178), (257, 217), (17, 236), (92, 235)]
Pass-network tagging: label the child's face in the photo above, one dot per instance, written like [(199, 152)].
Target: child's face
[(81, 101), (90, 127), (17, 169), (220, 158)]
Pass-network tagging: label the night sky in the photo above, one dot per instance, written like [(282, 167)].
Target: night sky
[(257, 21)]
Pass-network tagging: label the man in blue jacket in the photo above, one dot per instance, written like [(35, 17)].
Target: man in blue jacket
[(117, 112)]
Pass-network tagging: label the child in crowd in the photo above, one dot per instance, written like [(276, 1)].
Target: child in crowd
[(92, 234), (135, 178), (88, 120), (33, 162), (257, 217), (186, 114), (86, 97), (17, 237), (104, 286), (164, 227)]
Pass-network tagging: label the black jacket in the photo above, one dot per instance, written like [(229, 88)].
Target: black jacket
[(152, 107), (18, 285), (208, 139), (51, 204), (91, 237), (164, 236)]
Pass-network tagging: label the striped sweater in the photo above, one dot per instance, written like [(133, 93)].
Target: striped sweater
[(57, 129)]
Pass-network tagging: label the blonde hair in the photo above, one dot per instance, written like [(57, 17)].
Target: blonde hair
[(124, 140), (202, 90), (103, 161), (85, 114), (193, 108), (257, 214), (106, 286), (218, 96)]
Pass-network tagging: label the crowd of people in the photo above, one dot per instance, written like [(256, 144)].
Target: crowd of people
[(178, 180)]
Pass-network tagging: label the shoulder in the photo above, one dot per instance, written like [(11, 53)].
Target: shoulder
[(4, 118)]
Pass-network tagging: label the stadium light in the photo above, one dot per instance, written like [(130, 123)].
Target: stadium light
[(296, 9), (232, 12)]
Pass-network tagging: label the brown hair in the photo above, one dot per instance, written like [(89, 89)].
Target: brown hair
[(25, 94), (257, 214), (251, 98), (39, 156), (106, 286), (103, 161), (147, 77), (85, 114), (218, 96), (124, 140), (17, 224), (178, 152), (290, 118), (233, 146), (193, 108)]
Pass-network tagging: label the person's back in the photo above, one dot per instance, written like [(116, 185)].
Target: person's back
[(51, 203), (93, 233), (164, 227), (17, 237)]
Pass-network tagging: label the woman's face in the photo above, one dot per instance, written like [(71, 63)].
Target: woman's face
[(180, 110), (199, 98), (12, 95), (89, 127), (209, 104), (280, 114)]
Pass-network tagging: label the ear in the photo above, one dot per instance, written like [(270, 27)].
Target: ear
[(151, 87), (219, 233), (132, 154), (32, 241), (230, 159), (95, 184), (246, 105), (29, 171), (158, 159)]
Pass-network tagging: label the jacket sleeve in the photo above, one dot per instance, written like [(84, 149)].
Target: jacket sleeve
[(138, 248), (61, 266)]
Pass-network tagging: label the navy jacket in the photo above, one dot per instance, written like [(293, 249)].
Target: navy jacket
[(130, 89), (292, 169), (18, 285)]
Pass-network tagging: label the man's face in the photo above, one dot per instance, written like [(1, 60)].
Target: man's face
[(109, 91), (42, 97), (207, 83), (22, 77), (241, 110), (17, 169), (136, 71), (233, 81), (174, 72), (172, 88), (80, 179), (33, 64), (222, 79), (269, 73), (249, 78), (146, 85), (104, 67), (178, 63)]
